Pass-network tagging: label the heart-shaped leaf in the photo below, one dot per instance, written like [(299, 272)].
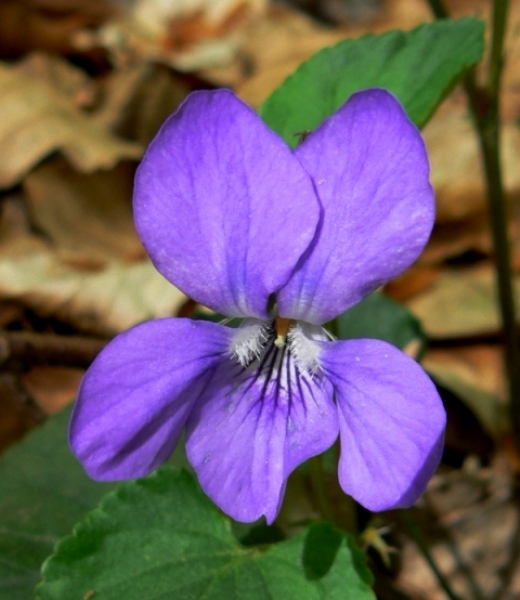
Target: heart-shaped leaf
[(420, 67), (161, 537), (379, 316)]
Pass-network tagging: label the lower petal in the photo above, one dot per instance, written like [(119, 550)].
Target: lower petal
[(252, 428), (135, 398), (391, 422)]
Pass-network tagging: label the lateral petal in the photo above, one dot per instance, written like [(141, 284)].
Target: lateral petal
[(222, 206), (250, 430), (135, 398), (370, 170), (391, 422)]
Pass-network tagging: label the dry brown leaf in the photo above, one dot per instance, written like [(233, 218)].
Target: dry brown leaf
[(187, 35), (456, 172), (157, 17), (476, 375), (38, 118), (471, 522), (74, 268), (52, 388), (137, 100), (274, 47), (18, 414), (414, 280), (339, 12), (460, 303), (453, 239), (104, 302), (510, 100), (49, 25), (87, 217)]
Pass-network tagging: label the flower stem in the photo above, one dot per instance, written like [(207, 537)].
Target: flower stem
[(484, 104), (438, 9), (319, 488), (415, 534)]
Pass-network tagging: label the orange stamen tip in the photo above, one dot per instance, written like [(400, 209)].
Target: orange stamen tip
[(282, 325)]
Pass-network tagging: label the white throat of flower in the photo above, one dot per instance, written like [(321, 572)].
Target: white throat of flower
[(254, 337)]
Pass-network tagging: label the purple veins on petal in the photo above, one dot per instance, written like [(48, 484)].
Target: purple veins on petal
[(391, 422), (135, 398), (254, 424)]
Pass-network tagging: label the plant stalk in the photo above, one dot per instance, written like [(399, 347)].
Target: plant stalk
[(484, 105), (317, 477), (413, 531)]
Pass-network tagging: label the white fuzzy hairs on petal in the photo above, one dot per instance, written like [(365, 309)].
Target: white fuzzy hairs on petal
[(302, 338), (249, 340)]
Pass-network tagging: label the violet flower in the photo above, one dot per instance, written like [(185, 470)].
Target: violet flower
[(285, 241)]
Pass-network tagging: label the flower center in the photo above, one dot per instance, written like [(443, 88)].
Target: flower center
[(281, 326), (260, 344), (279, 358)]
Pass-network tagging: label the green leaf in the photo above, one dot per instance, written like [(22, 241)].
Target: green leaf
[(378, 316), (160, 537), (43, 492), (420, 67)]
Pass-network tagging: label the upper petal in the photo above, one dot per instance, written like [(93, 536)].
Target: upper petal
[(391, 422), (252, 428), (135, 398), (223, 207), (370, 169)]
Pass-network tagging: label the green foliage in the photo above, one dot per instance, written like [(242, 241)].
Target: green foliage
[(44, 491), (160, 537), (419, 67), (378, 316)]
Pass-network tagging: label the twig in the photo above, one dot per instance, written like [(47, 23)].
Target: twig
[(415, 534), (484, 104), (318, 482), (29, 348)]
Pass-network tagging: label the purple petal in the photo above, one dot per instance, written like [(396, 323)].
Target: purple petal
[(248, 434), (391, 422), (223, 207), (135, 398), (370, 169)]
